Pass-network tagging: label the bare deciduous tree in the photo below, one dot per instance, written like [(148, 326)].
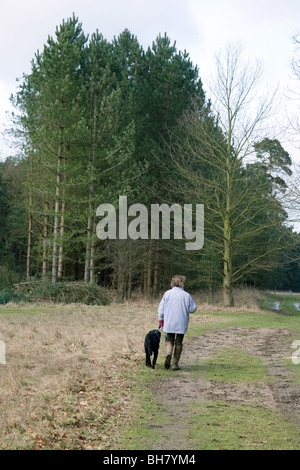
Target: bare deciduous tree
[(211, 156)]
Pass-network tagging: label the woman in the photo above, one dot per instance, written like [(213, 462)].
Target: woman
[(173, 314)]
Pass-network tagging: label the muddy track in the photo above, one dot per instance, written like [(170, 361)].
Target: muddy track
[(177, 393)]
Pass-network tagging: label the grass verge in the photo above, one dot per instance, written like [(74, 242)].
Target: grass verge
[(217, 425)]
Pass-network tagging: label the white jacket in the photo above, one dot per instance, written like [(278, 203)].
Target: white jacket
[(174, 309)]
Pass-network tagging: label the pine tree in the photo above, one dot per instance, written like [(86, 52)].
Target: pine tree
[(51, 119), (110, 136), (170, 86)]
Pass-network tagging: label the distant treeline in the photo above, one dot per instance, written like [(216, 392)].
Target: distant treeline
[(96, 120)]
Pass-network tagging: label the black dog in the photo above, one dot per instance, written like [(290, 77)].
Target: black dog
[(152, 341)]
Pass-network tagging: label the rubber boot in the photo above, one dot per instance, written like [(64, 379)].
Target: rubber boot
[(169, 349), (177, 354)]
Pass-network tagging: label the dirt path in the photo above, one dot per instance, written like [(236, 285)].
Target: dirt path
[(185, 387)]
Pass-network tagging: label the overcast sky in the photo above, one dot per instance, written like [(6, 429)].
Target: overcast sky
[(202, 27)]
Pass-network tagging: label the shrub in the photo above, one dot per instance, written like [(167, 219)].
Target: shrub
[(64, 292), (6, 296), (7, 277)]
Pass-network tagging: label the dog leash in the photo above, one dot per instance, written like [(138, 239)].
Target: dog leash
[(160, 329)]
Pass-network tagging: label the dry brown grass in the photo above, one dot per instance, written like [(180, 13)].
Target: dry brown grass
[(66, 382), (63, 364), (245, 300)]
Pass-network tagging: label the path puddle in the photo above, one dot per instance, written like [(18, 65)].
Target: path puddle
[(275, 305)]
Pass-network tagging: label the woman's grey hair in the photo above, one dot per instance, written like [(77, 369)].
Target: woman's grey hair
[(178, 281)]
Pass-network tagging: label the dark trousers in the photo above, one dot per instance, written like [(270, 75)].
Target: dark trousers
[(176, 338)]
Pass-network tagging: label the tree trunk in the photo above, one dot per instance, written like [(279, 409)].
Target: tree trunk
[(62, 224), (149, 271), (129, 274), (56, 220), (144, 278), (29, 244), (227, 275), (156, 272), (120, 282), (92, 260), (61, 246), (227, 293), (88, 253), (45, 241)]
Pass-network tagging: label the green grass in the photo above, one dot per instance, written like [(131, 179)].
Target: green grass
[(137, 435), (218, 425), (247, 320), (212, 425), (35, 309), (235, 366)]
